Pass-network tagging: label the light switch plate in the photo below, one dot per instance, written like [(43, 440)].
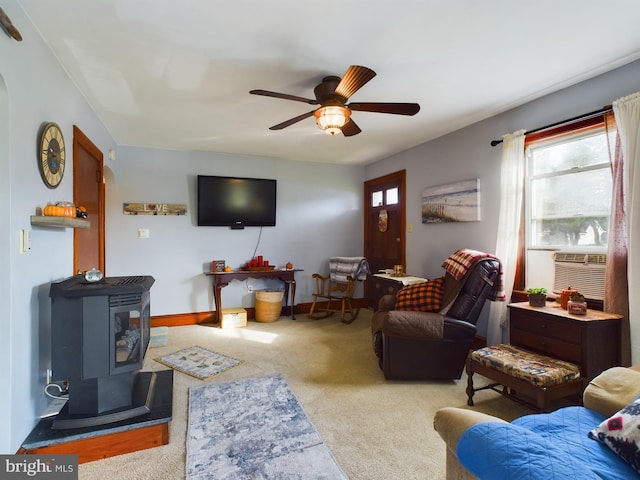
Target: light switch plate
[(25, 240)]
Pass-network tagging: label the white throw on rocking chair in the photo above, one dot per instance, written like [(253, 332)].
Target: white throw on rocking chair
[(339, 287)]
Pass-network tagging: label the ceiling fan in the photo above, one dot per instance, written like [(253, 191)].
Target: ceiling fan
[(334, 114)]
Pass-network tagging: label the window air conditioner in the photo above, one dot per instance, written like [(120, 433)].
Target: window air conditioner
[(580, 271)]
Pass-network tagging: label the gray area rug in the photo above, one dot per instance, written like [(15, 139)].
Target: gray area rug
[(253, 429), (198, 362)]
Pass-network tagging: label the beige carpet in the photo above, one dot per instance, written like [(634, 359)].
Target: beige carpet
[(376, 429)]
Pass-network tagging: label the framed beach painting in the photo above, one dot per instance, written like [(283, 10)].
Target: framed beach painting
[(453, 202)]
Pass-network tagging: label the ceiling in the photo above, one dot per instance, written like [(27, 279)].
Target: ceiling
[(176, 74)]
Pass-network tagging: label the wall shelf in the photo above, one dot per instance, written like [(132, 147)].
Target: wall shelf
[(59, 222)]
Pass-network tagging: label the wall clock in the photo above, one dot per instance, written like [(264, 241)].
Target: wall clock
[(51, 155)]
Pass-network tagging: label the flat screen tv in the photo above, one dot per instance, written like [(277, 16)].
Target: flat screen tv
[(236, 202)]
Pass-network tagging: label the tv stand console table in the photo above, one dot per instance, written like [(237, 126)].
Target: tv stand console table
[(222, 279)]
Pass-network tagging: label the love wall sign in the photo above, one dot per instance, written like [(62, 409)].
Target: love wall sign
[(154, 208)]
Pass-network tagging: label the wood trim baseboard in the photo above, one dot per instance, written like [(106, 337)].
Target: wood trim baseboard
[(180, 319), (199, 318)]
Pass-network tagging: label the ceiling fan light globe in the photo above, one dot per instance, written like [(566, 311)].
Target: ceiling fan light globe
[(332, 118)]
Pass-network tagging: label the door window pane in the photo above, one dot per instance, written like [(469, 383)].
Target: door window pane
[(392, 196), (376, 199)]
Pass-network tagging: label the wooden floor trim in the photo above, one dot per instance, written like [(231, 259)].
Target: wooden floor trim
[(198, 318)]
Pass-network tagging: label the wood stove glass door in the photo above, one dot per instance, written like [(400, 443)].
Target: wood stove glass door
[(127, 339)]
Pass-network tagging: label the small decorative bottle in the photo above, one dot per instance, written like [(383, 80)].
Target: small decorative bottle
[(577, 305)]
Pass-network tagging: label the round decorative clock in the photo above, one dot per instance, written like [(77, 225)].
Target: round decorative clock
[(51, 155)]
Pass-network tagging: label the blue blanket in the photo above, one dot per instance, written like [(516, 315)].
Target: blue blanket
[(541, 446)]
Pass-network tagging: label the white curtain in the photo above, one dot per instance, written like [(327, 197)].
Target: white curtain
[(627, 114), (511, 192)]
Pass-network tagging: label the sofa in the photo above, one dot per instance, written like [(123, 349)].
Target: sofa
[(598, 440), (430, 336)]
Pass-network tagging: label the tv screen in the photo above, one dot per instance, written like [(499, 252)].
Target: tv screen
[(236, 202)]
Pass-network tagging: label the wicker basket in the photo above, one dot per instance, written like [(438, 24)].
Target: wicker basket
[(268, 305)]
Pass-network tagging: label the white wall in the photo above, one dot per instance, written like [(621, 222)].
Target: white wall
[(319, 215), (34, 89), (467, 153), (5, 260)]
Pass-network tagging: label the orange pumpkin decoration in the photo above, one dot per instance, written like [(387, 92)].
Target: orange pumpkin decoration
[(59, 211)]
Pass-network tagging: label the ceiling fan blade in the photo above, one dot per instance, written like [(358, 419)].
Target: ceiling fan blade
[(353, 80), (395, 108), (291, 121), (350, 129), (285, 96)]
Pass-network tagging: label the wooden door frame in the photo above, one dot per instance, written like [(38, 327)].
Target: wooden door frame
[(399, 177), (81, 140)]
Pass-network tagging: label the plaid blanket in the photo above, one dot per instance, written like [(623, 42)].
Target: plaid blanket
[(459, 263), (342, 267)]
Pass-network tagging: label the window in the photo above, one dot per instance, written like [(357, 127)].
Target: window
[(378, 197), (569, 192), (392, 196), (568, 189)]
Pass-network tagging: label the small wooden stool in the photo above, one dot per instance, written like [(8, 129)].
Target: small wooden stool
[(526, 377)]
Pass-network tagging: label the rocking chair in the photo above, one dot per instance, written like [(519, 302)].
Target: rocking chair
[(338, 287)]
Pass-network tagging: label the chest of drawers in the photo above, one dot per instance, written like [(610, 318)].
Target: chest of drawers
[(590, 341)]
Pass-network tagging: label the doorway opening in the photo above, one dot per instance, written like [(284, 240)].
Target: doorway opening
[(88, 192)]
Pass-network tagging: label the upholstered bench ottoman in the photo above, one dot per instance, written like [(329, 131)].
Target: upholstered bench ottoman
[(525, 376)]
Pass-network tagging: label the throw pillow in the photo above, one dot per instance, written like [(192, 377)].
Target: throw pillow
[(621, 433), (421, 297)]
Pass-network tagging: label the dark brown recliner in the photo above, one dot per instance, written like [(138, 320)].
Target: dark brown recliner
[(406, 350)]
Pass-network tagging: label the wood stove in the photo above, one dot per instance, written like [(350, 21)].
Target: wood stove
[(99, 336)]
